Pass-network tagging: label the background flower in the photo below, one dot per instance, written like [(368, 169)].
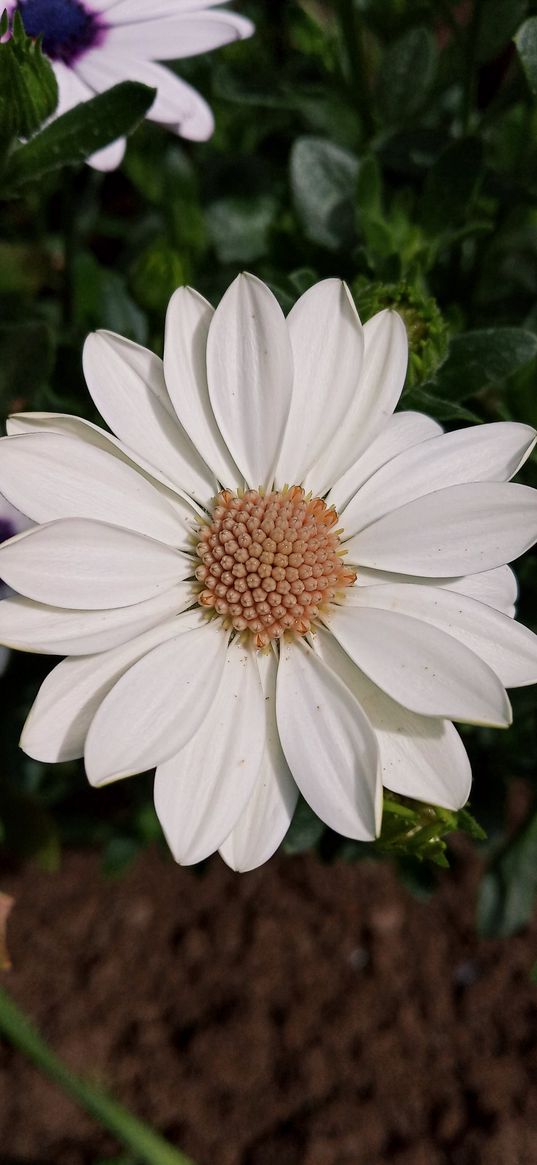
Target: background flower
[(94, 44)]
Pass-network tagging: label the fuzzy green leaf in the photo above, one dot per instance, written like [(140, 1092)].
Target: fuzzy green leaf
[(508, 890), (72, 138), (323, 180), (526, 43), (481, 358), (406, 75)]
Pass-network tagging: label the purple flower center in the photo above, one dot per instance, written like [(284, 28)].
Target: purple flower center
[(68, 28), (7, 529)]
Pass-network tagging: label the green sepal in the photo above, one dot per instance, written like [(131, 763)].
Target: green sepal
[(412, 829), (28, 86)]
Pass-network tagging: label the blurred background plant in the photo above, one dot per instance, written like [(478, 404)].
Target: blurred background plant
[(392, 143)]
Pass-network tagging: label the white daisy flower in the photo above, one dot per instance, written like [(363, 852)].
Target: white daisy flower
[(94, 44), (265, 581)]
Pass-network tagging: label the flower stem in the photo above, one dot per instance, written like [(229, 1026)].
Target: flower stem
[(146, 1145), (471, 66), (355, 63), (69, 245)]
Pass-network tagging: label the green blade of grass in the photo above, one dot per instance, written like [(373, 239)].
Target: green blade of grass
[(146, 1145)]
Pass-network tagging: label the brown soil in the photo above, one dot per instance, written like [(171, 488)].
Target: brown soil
[(299, 1015)]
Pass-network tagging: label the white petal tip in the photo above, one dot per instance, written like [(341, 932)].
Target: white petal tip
[(99, 779)]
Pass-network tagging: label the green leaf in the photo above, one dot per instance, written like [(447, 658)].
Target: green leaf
[(136, 1136), (369, 187), (305, 830), (24, 269), (26, 356), (323, 181), (30, 832), (499, 20), (479, 359), (508, 889), (72, 138), (101, 300), (156, 274), (442, 410), (118, 855), (406, 75), (451, 185), (526, 43), (378, 237), (240, 227), (28, 86)]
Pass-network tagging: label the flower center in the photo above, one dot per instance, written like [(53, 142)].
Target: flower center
[(270, 562), (68, 28)]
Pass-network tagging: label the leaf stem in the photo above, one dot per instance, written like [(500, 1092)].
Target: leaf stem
[(355, 66), (471, 66), (69, 246), (146, 1145)]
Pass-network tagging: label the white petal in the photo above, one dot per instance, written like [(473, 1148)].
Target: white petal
[(264, 822), (507, 647), (420, 756), (127, 384), (381, 383), (176, 104), (51, 476), (67, 701), (71, 89), (329, 744), (401, 432), (185, 366), (464, 529), (419, 666), (195, 122), (29, 626), (125, 11), (156, 706), (178, 35), (79, 564), (93, 435), (327, 344), (481, 453), (496, 587), (201, 791), (250, 373), (110, 157)]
